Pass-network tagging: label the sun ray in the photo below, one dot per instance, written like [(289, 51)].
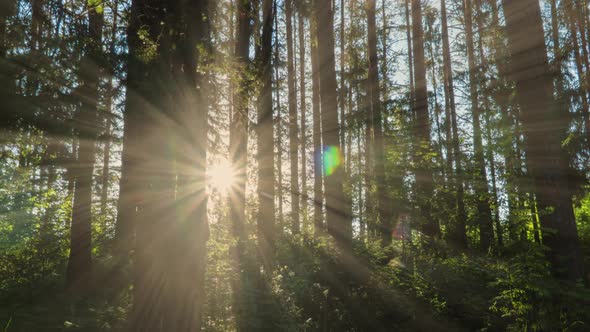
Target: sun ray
[(221, 176)]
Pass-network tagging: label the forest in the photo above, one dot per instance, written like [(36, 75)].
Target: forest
[(294, 165)]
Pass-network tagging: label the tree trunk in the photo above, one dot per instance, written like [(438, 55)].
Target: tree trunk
[(318, 192), (266, 176), (104, 192), (548, 163), (302, 88), (370, 201), (490, 156), (557, 52), (293, 130), (192, 229), (338, 218), (278, 125), (484, 215), (86, 122), (105, 179), (238, 143), (580, 24), (384, 70), (457, 234), (385, 218), (424, 178), (501, 99), (149, 173), (239, 124), (437, 110), (167, 95), (343, 88), (49, 159), (129, 192), (410, 58), (583, 82)]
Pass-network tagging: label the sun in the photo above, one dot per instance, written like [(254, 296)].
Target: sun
[(221, 176)]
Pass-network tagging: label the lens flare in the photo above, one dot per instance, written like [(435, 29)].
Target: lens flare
[(332, 158)]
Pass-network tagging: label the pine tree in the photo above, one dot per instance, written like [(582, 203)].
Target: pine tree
[(424, 177), (79, 262), (266, 175), (338, 218), (548, 163)]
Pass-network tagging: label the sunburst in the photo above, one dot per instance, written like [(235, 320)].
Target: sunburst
[(221, 176)]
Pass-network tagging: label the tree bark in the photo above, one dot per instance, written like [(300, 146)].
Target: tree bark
[(338, 220), (303, 102), (148, 104), (484, 216), (293, 130), (343, 89), (318, 191), (86, 122), (424, 177), (578, 59), (238, 143), (278, 125), (383, 208), (192, 228), (458, 235), (548, 163), (108, 119), (266, 176)]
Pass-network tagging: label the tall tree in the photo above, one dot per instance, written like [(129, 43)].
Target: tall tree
[(458, 234), (412, 87), (557, 52), (501, 97), (266, 177), (238, 143), (278, 125), (384, 65), (169, 87), (383, 205), (338, 220), (7, 85), (293, 128), (303, 106), (192, 229), (424, 177), (579, 62), (149, 85), (86, 122), (239, 124), (548, 163), (108, 112), (576, 16), (318, 192), (484, 216), (369, 138), (132, 119), (489, 199)]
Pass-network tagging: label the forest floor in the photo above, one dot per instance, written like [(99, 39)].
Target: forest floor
[(458, 293)]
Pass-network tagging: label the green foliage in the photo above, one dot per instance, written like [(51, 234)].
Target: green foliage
[(148, 50), (98, 5)]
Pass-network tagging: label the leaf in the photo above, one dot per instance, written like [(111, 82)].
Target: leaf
[(97, 5)]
